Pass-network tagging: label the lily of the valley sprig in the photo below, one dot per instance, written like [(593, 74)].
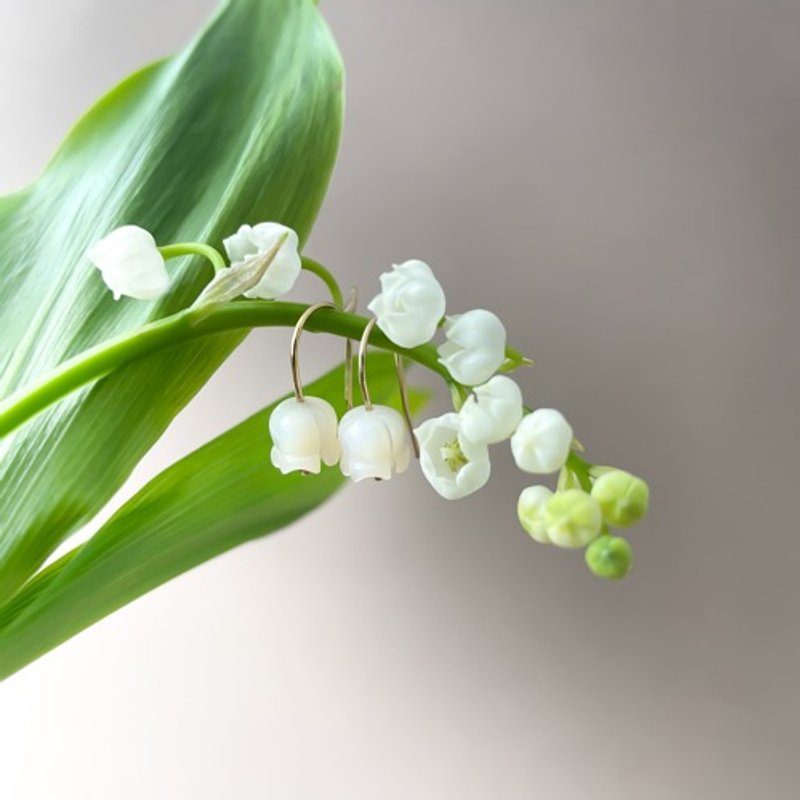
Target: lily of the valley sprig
[(377, 441)]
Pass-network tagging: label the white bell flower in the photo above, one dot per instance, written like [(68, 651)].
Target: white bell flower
[(303, 435), (410, 305), (542, 441), (258, 240), (375, 443), (531, 512), (492, 412), (475, 346), (453, 465), (130, 263)]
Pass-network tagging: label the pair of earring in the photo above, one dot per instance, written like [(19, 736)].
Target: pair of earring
[(370, 441)]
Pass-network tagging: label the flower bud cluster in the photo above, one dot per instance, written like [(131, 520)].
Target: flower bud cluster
[(589, 500)]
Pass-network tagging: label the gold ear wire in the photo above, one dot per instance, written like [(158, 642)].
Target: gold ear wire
[(350, 307), (362, 363), (294, 344), (401, 380)]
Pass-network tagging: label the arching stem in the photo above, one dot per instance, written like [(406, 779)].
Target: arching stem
[(193, 323), (194, 249), (315, 268)]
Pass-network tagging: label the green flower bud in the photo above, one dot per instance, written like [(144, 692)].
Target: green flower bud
[(531, 512), (623, 498), (609, 557), (572, 518)]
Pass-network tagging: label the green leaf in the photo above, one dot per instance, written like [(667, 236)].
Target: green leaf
[(242, 126), (223, 494)]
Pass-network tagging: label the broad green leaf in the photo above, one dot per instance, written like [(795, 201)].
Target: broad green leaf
[(242, 126), (223, 494)]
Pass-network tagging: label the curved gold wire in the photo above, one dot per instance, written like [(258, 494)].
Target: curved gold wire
[(362, 363), (401, 380), (350, 307), (295, 343)]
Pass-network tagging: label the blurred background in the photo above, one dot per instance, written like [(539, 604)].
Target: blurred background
[(621, 182)]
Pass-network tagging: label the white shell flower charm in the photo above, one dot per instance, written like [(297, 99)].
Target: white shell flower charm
[(257, 240), (303, 435), (542, 441), (410, 305), (492, 412), (303, 429), (453, 465), (130, 263), (375, 443), (475, 346)]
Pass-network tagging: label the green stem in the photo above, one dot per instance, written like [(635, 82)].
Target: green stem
[(314, 267), (184, 326), (514, 360), (195, 249), (580, 469)]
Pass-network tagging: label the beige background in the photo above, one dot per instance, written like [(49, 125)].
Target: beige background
[(621, 180)]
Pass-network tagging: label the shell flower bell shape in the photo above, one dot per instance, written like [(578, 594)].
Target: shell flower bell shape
[(130, 263), (304, 435), (375, 443), (492, 412), (475, 346), (257, 240), (410, 305), (454, 465)]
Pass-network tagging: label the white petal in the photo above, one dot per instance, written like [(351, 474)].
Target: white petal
[(240, 245), (402, 448), (301, 434), (542, 441), (492, 411), (452, 483), (366, 444), (284, 270), (130, 263), (475, 346), (410, 304), (328, 427)]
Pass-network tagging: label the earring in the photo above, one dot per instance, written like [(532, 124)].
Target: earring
[(376, 441), (303, 429)]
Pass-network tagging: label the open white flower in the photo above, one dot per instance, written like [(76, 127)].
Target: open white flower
[(303, 435), (453, 465), (258, 240), (375, 443), (410, 305), (475, 346), (531, 509), (130, 263), (492, 412), (542, 441)]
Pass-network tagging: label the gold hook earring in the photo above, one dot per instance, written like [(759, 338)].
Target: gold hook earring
[(295, 343), (401, 380)]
